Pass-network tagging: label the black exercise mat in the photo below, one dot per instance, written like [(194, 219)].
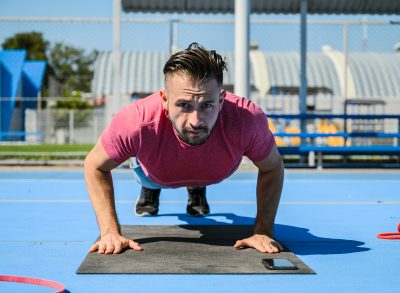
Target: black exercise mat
[(187, 249)]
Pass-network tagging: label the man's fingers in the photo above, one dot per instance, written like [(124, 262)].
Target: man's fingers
[(94, 247), (118, 247), (277, 245), (109, 248), (134, 245), (240, 244), (102, 248), (260, 243), (273, 247), (260, 246), (270, 249), (114, 244), (248, 242)]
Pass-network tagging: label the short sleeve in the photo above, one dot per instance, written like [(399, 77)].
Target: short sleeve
[(120, 138), (258, 139)]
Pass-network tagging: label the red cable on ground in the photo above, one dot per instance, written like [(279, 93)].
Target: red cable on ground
[(34, 281), (390, 235)]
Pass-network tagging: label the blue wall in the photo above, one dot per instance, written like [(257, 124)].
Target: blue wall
[(18, 78), (32, 79), (11, 63)]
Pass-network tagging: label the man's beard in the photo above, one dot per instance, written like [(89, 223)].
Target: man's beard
[(184, 135)]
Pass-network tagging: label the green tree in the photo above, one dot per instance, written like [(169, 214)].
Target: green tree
[(69, 66), (36, 48), (72, 67), (32, 42)]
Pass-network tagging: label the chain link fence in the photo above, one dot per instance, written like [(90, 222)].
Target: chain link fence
[(65, 126), (167, 34)]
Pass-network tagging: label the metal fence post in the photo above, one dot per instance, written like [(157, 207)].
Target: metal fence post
[(346, 56), (95, 128), (71, 127)]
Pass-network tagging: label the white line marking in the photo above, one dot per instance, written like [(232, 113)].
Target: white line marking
[(25, 180), (224, 202), (40, 180), (227, 181)]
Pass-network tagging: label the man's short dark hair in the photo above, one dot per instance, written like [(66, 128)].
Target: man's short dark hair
[(198, 63)]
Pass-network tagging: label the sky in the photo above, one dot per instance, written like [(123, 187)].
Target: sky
[(56, 8), (156, 37)]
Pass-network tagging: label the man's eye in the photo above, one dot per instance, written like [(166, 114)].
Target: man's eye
[(184, 106), (207, 105)]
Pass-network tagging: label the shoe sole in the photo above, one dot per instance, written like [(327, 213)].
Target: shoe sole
[(198, 215), (144, 214)]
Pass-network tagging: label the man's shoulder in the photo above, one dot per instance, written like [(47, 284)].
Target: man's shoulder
[(236, 104), (150, 102), (147, 109), (231, 97)]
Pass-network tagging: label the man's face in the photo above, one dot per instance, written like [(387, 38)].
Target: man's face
[(192, 107)]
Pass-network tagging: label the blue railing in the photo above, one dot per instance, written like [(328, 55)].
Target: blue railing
[(7, 135), (310, 149)]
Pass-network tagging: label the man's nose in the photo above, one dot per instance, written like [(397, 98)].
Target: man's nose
[(195, 118)]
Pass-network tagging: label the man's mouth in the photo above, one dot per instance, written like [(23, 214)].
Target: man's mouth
[(197, 131)]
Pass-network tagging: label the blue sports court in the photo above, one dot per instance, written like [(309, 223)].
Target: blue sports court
[(328, 218)]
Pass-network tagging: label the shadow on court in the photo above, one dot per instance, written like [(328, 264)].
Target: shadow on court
[(297, 239)]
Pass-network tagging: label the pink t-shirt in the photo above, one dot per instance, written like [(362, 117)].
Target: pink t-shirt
[(143, 130)]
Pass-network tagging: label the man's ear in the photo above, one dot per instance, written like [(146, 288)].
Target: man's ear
[(221, 99), (163, 98)]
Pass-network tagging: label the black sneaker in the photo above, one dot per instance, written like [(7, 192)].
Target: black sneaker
[(148, 201), (197, 202)]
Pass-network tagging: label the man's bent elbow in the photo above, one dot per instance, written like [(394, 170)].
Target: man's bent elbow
[(279, 162), (88, 165), (272, 162)]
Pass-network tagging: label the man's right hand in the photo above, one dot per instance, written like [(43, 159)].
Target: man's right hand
[(114, 243)]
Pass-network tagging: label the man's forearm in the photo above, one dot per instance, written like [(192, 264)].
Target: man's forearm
[(269, 189), (101, 191)]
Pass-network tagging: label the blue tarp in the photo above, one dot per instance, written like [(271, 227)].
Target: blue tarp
[(18, 78), (11, 65), (32, 78)]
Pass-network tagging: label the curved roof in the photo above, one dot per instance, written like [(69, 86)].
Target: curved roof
[(284, 71), (229, 75), (265, 6), (376, 74), (141, 72)]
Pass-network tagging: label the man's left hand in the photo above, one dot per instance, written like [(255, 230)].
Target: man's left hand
[(262, 243)]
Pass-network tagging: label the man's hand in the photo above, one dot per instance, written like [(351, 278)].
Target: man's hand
[(113, 243), (262, 243)]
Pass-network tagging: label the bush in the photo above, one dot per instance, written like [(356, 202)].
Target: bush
[(82, 111)]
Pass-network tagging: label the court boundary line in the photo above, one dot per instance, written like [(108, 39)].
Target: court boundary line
[(245, 202)]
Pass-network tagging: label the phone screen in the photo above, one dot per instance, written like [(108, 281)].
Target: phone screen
[(278, 264)]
